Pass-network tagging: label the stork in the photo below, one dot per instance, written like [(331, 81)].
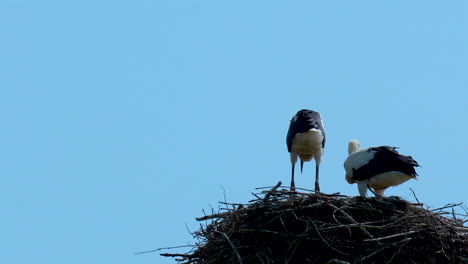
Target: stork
[(306, 140), (377, 168)]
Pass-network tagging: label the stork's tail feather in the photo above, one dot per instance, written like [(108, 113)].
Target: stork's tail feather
[(413, 162), (410, 164)]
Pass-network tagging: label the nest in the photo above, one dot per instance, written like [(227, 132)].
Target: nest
[(302, 227)]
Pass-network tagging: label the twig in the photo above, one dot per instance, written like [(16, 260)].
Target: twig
[(292, 254), (260, 231), (461, 228), (239, 259), (394, 235), (282, 223), (454, 216), (415, 197), (368, 224), (464, 208), (286, 187), (325, 241), (353, 221), (226, 214), (399, 249), (382, 249), (224, 195), (446, 206), (176, 255), (154, 250), (258, 197), (243, 204), (271, 191), (331, 261), (218, 215)]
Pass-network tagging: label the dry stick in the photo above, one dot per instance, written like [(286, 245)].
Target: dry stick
[(258, 197), (310, 206), (286, 188), (282, 223), (243, 204), (292, 254), (461, 228), (399, 249), (354, 225), (224, 214), (331, 261), (415, 197), (260, 231), (368, 224), (353, 221), (224, 195), (382, 249), (271, 191), (454, 216), (394, 235), (464, 208), (447, 206), (239, 259), (325, 241), (176, 255), (219, 215), (269, 187), (154, 250)]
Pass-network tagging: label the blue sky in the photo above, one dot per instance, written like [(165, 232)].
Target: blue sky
[(121, 120)]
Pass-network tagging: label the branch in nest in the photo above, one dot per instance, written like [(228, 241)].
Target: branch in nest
[(382, 249), (260, 231), (239, 259), (352, 220), (225, 214), (271, 191), (337, 261), (157, 249), (326, 242), (416, 198), (176, 255), (447, 206), (394, 235)]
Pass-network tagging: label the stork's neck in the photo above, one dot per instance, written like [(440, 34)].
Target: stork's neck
[(353, 146)]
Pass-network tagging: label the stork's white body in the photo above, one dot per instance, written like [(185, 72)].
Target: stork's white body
[(307, 146), (378, 182)]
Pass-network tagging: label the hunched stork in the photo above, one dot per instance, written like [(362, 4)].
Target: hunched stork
[(377, 168), (306, 139)]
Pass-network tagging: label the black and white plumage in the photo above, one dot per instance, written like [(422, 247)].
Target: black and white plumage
[(377, 168), (306, 140)]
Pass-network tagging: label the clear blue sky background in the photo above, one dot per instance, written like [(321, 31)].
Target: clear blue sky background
[(121, 120)]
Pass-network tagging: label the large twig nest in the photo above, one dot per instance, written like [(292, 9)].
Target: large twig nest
[(298, 228)]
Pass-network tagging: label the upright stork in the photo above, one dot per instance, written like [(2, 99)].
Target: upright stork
[(306, 139), (377, 168)]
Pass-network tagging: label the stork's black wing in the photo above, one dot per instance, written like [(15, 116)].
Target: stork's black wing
[(385, 159), (302, 122)]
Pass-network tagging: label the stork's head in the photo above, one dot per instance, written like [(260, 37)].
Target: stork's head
[(353, 146)]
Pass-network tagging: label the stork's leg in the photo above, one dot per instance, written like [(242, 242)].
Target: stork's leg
[(317, 185), (293, 164), (293, 186), (362, 187)]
